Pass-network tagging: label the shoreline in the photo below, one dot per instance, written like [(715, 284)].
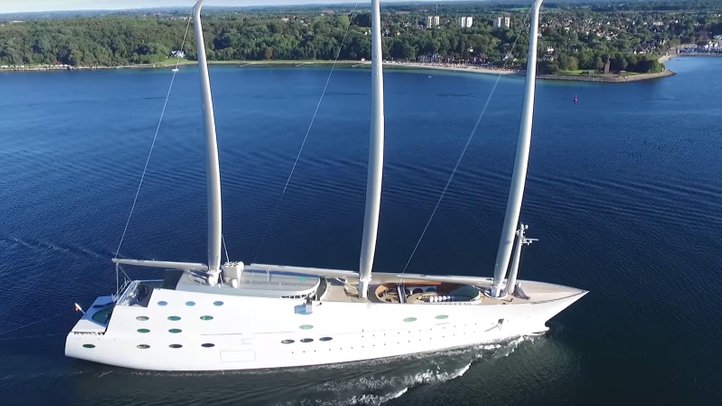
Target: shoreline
[(451, 68), (599, 78), (611, 78)]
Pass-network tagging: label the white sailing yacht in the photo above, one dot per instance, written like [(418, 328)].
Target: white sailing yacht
[(206, 317)]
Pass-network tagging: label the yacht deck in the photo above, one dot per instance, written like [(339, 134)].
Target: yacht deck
[(385, 288)]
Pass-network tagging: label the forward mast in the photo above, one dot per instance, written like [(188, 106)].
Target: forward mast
[(521, 163)]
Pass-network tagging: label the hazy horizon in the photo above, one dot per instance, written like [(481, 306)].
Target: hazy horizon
[(25, 6)]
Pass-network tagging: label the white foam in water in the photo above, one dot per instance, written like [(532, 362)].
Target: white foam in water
[(439, 374), (366, 384), (374, 388), (372, 399)]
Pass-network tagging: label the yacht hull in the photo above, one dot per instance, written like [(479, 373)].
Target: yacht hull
[(259, 318), (188, 331)]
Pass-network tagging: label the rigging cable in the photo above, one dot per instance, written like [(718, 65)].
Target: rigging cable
[(32, 323), (225, 247), (461, 157), (155, 138), (305, 138)]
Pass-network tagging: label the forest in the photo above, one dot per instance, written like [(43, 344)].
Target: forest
[(574, 37)]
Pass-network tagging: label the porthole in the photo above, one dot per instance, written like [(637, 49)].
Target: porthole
[(88, 346), (206, 317), (174, 318), (175, 330), (410, 319), (325, 339), (218, 303), (442, 317), (175, 346), (208, 345), (143, 330), (143, 346), (142, 318), (162, 303), (287, 342), (305, 326), (190, 303), (306, 340)]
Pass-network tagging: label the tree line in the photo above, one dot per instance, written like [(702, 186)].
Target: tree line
[(572, 38)]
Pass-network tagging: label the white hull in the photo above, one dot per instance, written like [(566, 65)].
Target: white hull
[(245, 337)]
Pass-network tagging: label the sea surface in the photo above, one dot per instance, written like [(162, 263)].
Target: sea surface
[(624, 193)]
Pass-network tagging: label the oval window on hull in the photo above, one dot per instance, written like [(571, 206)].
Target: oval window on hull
[(142, 318), (190, 303), (325, 339), (162, 303), (143, 346), (175, 346), (88, 346), (218, 303), (287, 342), (206, 317), (307, 340), (410, 319), (208, 345), (174, 318), (143, 330), (175, 330)]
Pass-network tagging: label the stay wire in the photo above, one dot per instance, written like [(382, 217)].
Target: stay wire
[(458, 161), (152, 145), (305, 138), (225, 247), (318, 105), (34, 323), (32, 336), (183, 44)]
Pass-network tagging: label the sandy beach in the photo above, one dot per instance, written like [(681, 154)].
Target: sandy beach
[(291, 63), (452, 68)]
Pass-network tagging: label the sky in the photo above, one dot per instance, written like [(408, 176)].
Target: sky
[(16, 6)]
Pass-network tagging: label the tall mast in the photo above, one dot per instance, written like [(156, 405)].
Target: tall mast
[(518, 178), (213, 175), (376, 154)]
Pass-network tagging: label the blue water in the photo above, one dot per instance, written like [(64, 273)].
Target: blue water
[(624, 192)]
